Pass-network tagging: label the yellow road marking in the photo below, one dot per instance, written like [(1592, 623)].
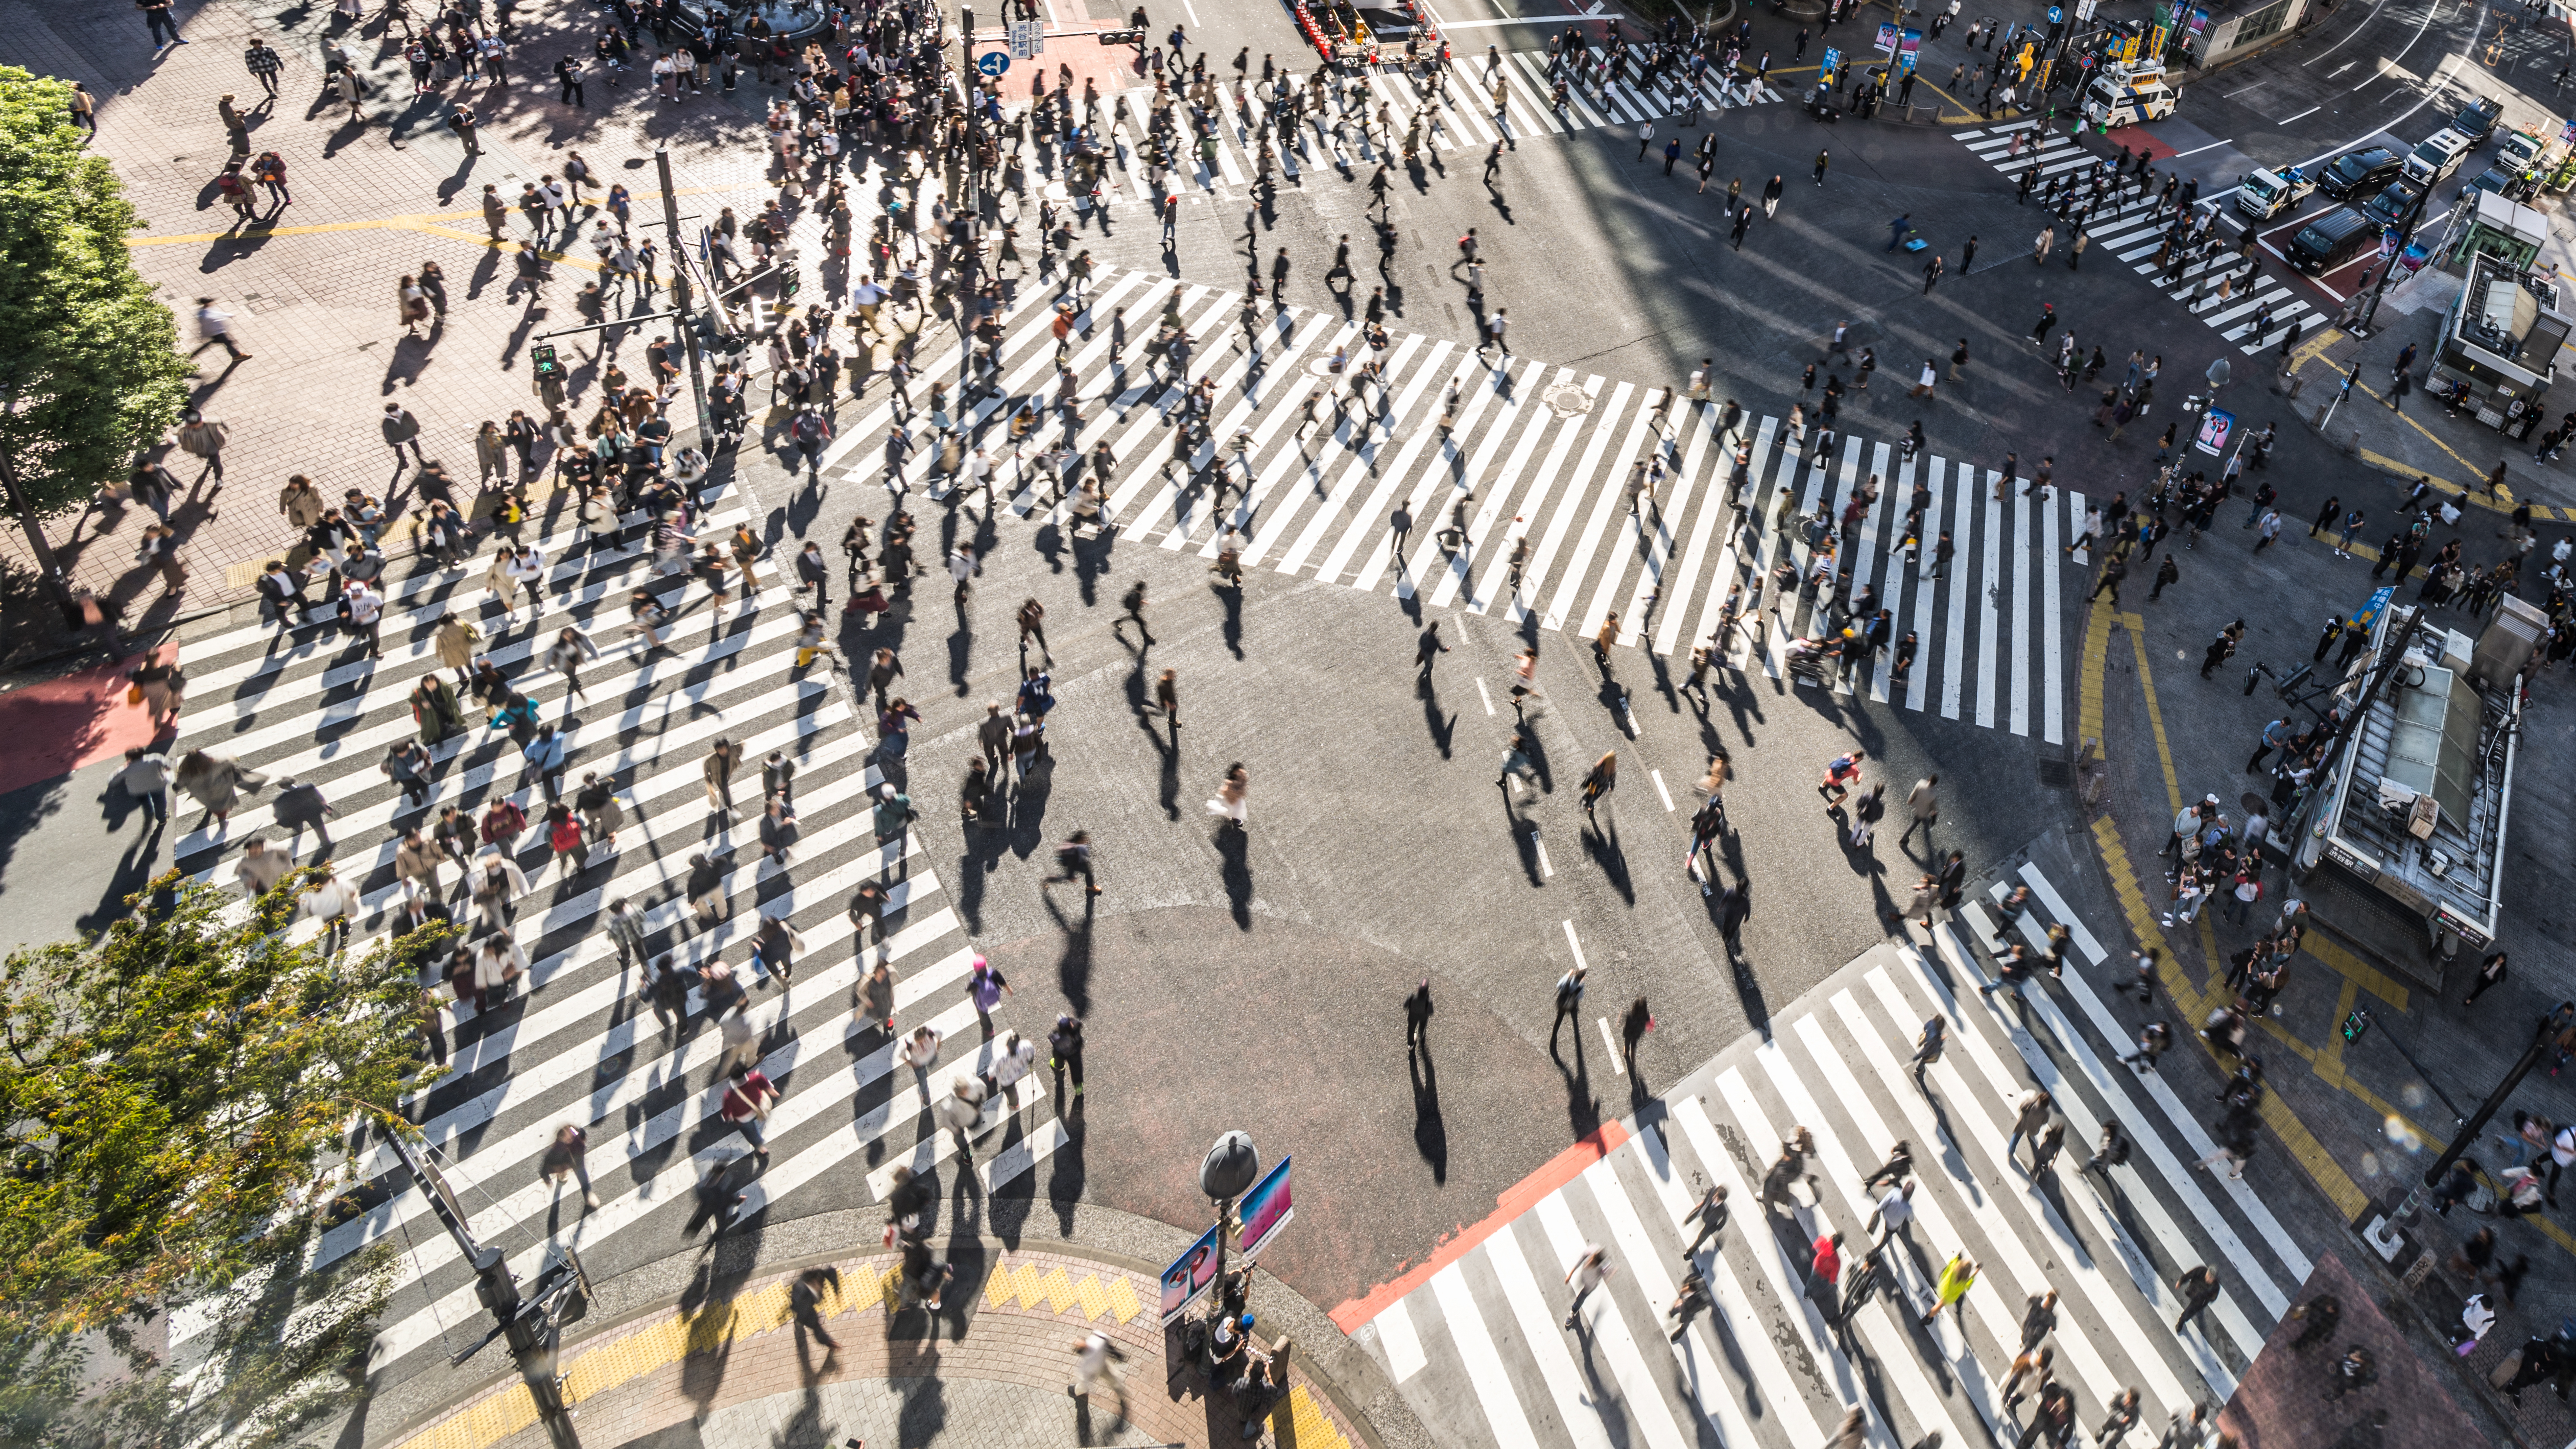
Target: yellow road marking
[(656, 1344), (2328, 1174)]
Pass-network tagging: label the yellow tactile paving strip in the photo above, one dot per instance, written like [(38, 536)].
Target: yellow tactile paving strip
[(2192, 1003), (1016, 1336)]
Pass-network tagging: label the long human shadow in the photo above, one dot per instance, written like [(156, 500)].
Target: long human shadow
[(1444, 732), (1601, 843), (1430, 1130), (1233, 848)]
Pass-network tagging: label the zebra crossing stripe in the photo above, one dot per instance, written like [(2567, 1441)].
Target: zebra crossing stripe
[(2133, 231), (311, 710), (1327, 500), (1839, 1070)]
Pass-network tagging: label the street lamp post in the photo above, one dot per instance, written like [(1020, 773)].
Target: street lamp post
[(532, 1324), (680, 299), (2388, 264), (1230, 1169)]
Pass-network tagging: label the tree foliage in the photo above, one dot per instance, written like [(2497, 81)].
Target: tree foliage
[(179, 1097), (89, 372)]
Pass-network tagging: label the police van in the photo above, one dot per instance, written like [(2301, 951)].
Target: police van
[(2124, 95)]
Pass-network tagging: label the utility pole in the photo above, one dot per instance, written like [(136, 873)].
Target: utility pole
[(2467, 1135), (680, 299), (2388, 263), (531, 1324)]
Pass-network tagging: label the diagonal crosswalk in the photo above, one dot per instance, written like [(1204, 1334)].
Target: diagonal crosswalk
[(2133, 230), (578, 1042), (1476, 1338), (1522, 505)]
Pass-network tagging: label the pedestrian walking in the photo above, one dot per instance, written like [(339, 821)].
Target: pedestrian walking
[(1569, 1003), (1591, 1269), (1925, 804), (1951, 1289), (2198, 1288)]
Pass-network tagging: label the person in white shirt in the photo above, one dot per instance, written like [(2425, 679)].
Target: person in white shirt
[(1017, 1056), (496, 965), (1586, 1274), (497, 882), (330, 900), (1896, 1210), (215, 329), (366, 616)]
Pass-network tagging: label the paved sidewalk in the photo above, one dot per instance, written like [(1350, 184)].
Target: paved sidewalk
[(741, 1371), (312, 289), (2420, 439)]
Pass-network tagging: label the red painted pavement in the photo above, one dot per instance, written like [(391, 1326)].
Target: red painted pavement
[(2137, 139), (1110, 67), (60, 725), (1599, 1143)]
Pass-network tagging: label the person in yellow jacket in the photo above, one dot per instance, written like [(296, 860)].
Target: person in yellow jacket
[(1956, 1278)]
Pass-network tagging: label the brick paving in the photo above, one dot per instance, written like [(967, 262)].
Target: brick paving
[(313, 296), (2281, 1402), (1010, 1360)]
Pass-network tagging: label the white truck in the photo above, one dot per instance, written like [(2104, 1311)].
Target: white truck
[(2124, 95), (2265, 193)]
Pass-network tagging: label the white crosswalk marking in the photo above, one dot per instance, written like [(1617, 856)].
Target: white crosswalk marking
[(2133, 228), (1768, 1364), (575, 1044), (1464, 111), (1541, 457)]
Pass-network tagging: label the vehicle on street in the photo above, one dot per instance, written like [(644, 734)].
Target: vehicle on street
[(2504, 181), (2124, 95), (2332, 240), (2437, 157), (2360, 173), (2266, 193), (2394, 201), (2477, 120)]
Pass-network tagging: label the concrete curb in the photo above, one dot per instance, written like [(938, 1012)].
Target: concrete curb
[(1330, 1362)]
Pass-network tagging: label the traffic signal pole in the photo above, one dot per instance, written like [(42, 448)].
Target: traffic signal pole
[(529, 1324), (680, 299)]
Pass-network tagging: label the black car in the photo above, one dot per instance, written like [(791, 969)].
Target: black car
[(2360, 173), (2504, 181), (2392, 203), (2477, 120), (2332, 240)]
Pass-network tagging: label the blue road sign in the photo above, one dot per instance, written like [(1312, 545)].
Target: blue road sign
[(993, 62)]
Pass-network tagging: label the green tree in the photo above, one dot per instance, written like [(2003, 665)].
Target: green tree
[(90, 371), (179, 1098)]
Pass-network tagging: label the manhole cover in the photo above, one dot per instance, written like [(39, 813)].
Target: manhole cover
[(2056, 774), (1565, 400)]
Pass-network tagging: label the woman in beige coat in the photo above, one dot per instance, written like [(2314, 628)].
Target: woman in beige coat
[(503, 584), (215, 783), (456, 641), (302, 503)]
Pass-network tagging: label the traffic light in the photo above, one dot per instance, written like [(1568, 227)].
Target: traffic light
[(541, 358), (2354, 1025), (788, 283)]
